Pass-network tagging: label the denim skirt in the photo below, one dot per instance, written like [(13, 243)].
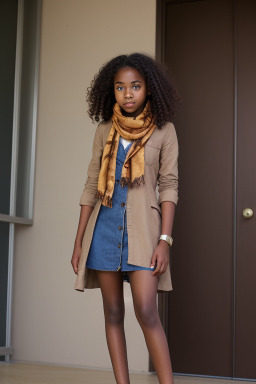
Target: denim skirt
[(109, 246)]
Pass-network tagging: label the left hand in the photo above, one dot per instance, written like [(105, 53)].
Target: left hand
[(161, 257)]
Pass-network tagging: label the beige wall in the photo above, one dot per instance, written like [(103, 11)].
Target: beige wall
[(51, 321)]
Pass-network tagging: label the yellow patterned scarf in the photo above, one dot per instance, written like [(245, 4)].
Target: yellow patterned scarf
[(139, 130)]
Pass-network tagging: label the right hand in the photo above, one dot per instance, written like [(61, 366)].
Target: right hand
[(76, 257)]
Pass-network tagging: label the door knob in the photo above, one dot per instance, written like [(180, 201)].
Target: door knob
[(247, 213)]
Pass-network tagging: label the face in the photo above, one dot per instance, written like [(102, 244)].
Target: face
[(130, 91)]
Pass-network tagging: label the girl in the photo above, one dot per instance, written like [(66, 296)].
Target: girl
[(124, 233)]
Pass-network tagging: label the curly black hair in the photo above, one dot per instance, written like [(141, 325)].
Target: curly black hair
[(163, 99)]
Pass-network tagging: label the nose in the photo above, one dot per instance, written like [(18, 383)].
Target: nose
[(128, 93)]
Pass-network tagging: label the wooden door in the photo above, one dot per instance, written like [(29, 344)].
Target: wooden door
[(207, 45)]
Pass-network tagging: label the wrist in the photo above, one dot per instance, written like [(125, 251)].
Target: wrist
[(164, 244), (166, 238)]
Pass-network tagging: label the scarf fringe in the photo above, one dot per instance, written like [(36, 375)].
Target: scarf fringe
[(99, 195), (125, 181), (107, 199)]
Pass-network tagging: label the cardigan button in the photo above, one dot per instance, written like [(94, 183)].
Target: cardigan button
[(120, 227), (123, 204)]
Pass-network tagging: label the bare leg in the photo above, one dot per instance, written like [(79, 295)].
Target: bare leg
[(111, 285), (144, 291)]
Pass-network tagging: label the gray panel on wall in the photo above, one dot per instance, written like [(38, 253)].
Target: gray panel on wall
[(28, 78), (19, 66), (8, 30), (4, 248)]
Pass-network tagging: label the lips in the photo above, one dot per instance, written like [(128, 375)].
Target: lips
[(129, 104)]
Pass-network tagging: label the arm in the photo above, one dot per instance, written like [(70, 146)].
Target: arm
[(168, 196), (90, 188), (161, 253), (85, 214)]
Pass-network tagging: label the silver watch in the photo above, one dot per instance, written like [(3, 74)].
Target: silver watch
[(167, 238)]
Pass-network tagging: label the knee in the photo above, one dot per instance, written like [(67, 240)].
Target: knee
[(114, 314), (147, 315)]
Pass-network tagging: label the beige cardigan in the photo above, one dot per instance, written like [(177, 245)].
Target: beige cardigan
[(143, 206)]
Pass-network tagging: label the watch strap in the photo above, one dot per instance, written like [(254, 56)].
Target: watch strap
[(167, 238)]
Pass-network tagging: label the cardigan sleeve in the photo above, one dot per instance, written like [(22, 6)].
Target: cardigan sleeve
[(91, 185), (168, 168)]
